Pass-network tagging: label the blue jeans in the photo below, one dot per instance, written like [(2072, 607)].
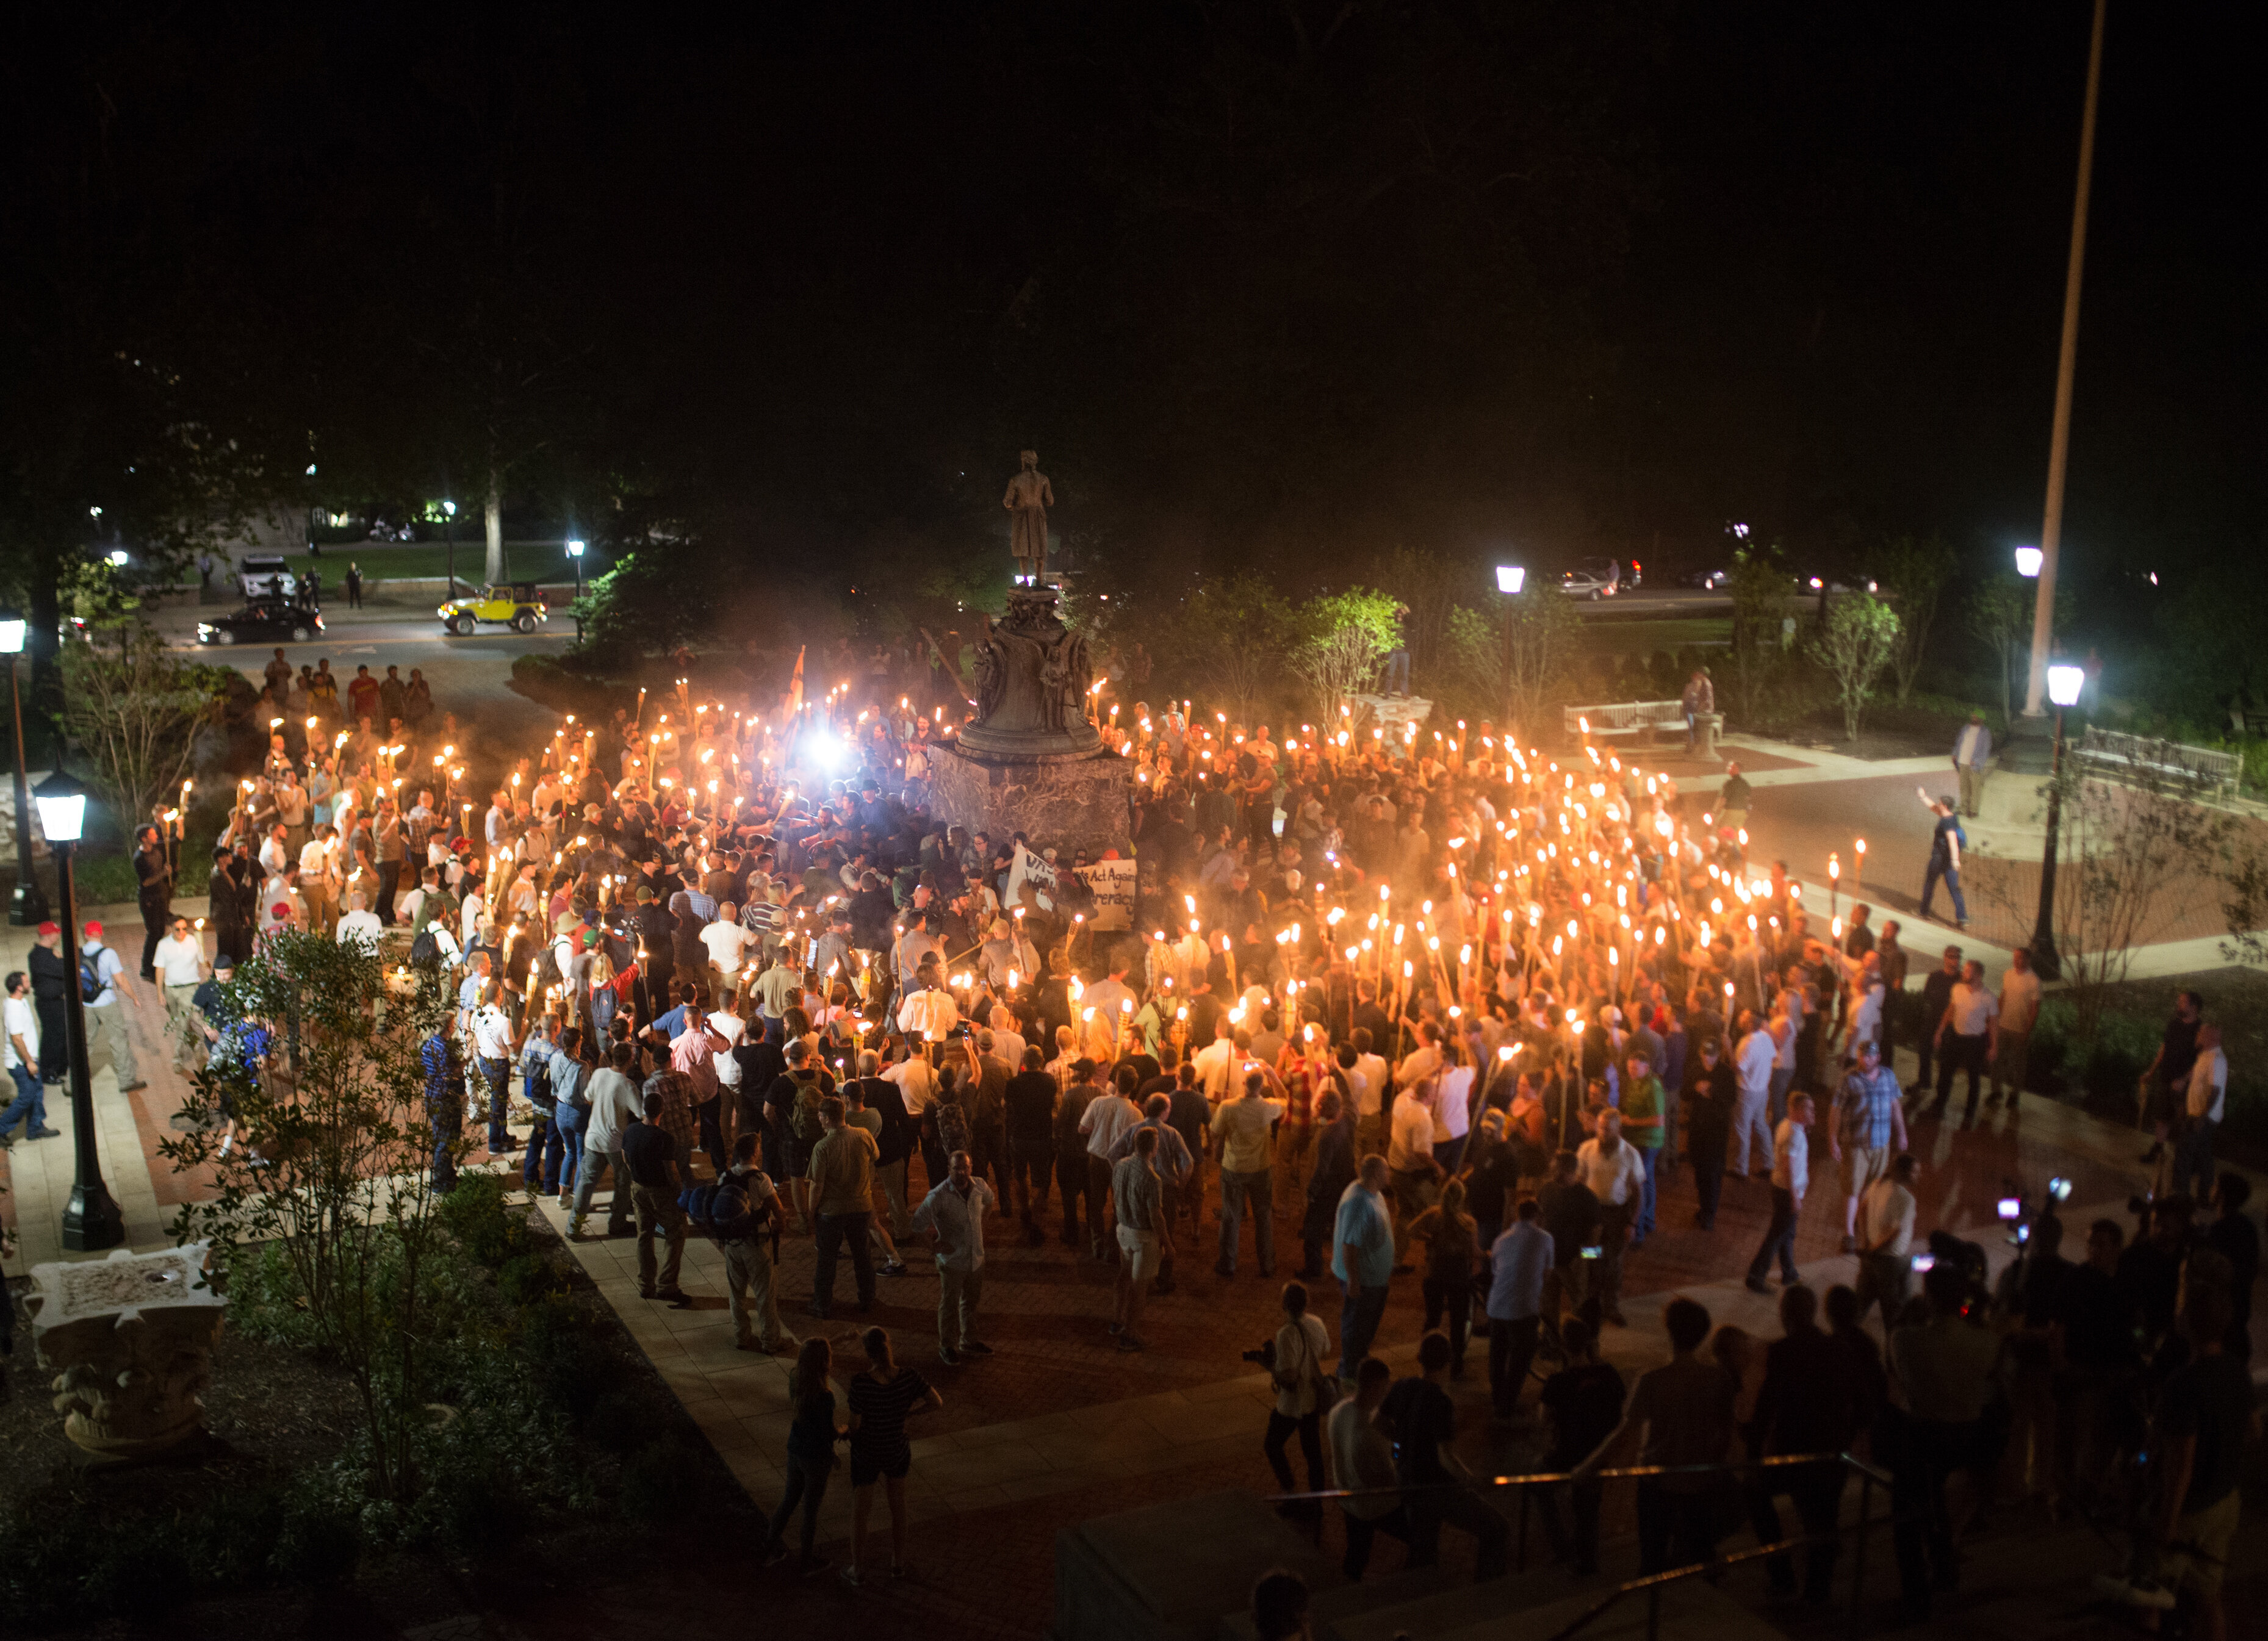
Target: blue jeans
[(2193, 1156), (1236, 1187), (1359, 1314), (1952, 875), (1776, 1103), (1397, 674), (596, 1162), (1653, 1161), (30, 1106), (498, 1075), (539, 1139), (563, 1162)]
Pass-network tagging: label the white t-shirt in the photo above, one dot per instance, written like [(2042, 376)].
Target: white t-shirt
[(1453, 1114), (726, 942), (314, 860), (734, 1030), (491, 1033), (180, 960), (1371, 1069), (1613, 1179), (1886, 1208), (2208, 1088), (917, 1081), (363, 926), (1972, 1009), (22, 1020)]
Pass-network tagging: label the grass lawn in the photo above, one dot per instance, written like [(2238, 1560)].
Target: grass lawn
[(1641, 637), (527, 560)]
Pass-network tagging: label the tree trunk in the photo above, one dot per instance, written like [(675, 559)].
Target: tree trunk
[(494, 515)]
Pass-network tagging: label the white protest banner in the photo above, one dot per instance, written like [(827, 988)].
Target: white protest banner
[(1112, 883)]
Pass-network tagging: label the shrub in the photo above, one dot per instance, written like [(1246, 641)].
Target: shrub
[(476, 1216), (2099, 1072), (657, 1480)]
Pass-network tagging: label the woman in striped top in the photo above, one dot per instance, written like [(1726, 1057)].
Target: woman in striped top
[(881, 1398)]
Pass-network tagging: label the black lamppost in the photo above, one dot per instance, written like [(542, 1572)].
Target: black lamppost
[(449, 532), (2064, 682), (575, 552), (28, 906), (1510, 579), (91, 1220)]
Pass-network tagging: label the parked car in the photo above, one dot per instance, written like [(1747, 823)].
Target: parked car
[(267, 576), (1592, 579), (264, 620), (1634, 576), (511, 604), (1840, 581), (1710, 580)]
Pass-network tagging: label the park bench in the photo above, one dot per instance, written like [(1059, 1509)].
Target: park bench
[(2115, 753), (1626, 718)]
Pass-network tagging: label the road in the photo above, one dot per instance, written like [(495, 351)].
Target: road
[(1657, 603), (470, 677)]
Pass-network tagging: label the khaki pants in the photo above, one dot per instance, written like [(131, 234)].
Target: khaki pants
[(105, 1027), (1972, 787), (2015, 1059), (756, 1307), (182, 1026), (658, 1214), (958, 1294)]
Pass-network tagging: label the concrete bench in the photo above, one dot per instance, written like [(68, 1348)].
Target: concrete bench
[(2114, 752)]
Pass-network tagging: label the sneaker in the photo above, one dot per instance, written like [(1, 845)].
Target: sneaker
[(773, 1553), (1758, 1284), (974, 1347), (678, 1297), (896, 1267), (1223, 1269), (132, 1086), (951, 1358), (750, 1344), (850, 1575)]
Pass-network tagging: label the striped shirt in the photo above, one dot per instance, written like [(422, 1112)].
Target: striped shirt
[(882, 1410)]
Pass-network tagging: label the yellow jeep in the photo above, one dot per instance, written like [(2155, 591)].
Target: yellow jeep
[(514, 604)]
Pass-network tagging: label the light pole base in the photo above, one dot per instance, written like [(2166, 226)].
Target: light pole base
[(91, 1221)]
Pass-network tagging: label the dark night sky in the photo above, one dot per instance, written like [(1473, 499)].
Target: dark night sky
[(1284, 285)]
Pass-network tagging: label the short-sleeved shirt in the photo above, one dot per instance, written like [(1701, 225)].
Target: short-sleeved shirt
[(1030, 1098), (1586, 1403), (2211, 1398), (1869, 1105), (1135, 1188), (1972, 1010), (881, 1408), (1686, 1409), (1243, 1125)]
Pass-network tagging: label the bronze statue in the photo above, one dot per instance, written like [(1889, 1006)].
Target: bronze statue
[(1029, 496)]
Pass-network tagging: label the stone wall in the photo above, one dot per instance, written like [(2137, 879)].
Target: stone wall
[(1076, 803)]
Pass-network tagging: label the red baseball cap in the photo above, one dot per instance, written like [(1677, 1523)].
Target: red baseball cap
[(93, 928), (51, 928)]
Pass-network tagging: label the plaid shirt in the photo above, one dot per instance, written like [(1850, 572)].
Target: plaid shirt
[(676, 1117), (1869, 1102)]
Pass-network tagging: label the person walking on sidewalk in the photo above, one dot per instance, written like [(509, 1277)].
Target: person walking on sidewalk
[(1791, 1177), (882, 1399), (19, 1042), (1972, 762), (2020, 1008), (751, 1239), (105, 1012), (1947, 840), (953, 1214), (1965, 1039), (649, 1152)]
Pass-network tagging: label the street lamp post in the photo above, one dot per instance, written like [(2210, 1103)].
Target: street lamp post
[(1510, 579), (449, 534), (28, 906), (91, 1220), (2064, 682), (575, 552)]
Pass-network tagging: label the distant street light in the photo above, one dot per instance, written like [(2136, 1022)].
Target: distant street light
[(28, 906), (117, 558), (2065, 681), (90, 1220), (1511, 577), (575, 552), (2027, 563), (449, 531)]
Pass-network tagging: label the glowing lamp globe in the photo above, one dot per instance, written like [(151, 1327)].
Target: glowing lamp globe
[(62, 807), (2065, 683), (2028, 561), (1511, 577)]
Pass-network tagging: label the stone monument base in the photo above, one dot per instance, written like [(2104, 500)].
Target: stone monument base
[(1080, 802)]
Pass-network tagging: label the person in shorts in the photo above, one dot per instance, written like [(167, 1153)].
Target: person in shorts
[(1140, 1199), (881, 1400)]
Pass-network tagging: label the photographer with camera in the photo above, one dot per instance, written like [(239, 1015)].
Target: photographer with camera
[(1295, 1362)]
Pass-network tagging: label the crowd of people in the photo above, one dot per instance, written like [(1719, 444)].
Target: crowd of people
[(1438, 1010)]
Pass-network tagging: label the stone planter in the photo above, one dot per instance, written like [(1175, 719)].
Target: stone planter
[(129, 1340)]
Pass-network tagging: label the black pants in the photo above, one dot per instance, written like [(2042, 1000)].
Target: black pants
[(1927, 1454), (1511, 1351), (1780, 1239), (1709, 1173), (806, 1485), (1361, 1534), (1456, 1298), (1576, 1543), (1674, 1529), (54, 1056), (1071, 1180), (1817, 1492), (1961, 1054), (1309, 1426), (834, 1230), (1456, 1505), (709, 1125), (389, 874), (154, 930)]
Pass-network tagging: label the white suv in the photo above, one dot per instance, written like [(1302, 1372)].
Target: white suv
[(1592, 579), (266, 576)]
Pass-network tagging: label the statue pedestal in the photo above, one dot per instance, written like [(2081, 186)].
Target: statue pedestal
[(129, 1339), (1080, 801)]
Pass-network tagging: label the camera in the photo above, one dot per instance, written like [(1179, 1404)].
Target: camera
[(2011, 1209), (1924, 1263), (1264, 1357), (2058, 1189), (1593, 1251)]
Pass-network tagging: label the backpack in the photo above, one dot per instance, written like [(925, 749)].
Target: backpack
[(809, 1127), (90, 976), (425, 950)]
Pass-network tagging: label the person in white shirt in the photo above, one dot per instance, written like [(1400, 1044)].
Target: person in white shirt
[(727, 944), (1215, 1064), (1007, 1045), (1965, 1038), (2208, 1098), (1411, 1167), (1753, 1062), (1791, 1177), (180, 960), (105, 1020), (2019, 1009), (917, 1081), (318, 887), (727, 1023), (1885, 1223), (360, 924), (1423, 1061), (1373, 1098), (928, 1015), (20, 1048), (1616, 1172), (1107, 1116), (614, 1106)]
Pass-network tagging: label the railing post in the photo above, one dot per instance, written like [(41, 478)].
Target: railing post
[(1521, 1562), (1866, 1531), (1653, 1612)]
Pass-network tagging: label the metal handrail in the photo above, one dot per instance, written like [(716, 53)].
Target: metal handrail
[(1870, 1476)]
